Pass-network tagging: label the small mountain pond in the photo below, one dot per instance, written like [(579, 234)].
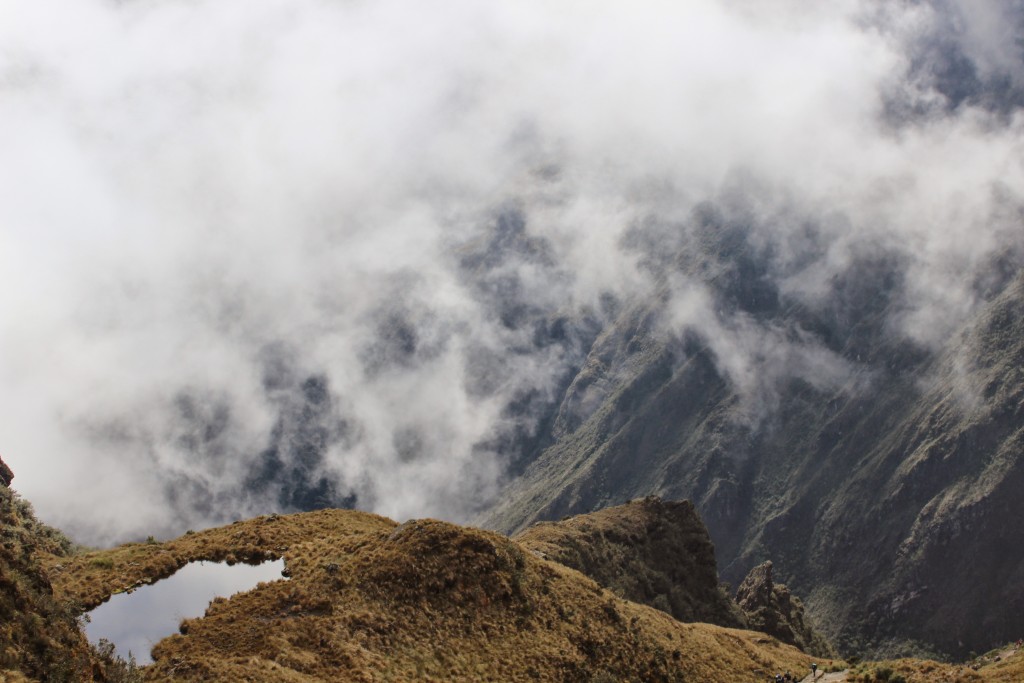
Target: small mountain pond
[(136, 621)]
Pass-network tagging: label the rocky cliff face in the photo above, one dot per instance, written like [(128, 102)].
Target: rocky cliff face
[(770, 607), (659, 553), (649, 551)]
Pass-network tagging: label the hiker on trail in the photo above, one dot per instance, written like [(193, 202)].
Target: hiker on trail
[(814, 671)]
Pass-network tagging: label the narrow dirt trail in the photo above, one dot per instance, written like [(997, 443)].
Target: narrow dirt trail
[(834, 677), (1010, 651)]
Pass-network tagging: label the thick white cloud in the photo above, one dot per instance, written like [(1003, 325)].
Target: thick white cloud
[(189, 183)]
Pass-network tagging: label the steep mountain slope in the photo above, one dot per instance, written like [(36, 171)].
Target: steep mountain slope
[(372, 600), (950, 477), (882, 498)]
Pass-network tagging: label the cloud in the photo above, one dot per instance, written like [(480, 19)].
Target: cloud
[(758, 358), (265, 254)]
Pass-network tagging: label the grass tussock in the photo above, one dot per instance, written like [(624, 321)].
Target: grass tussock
[(39, 634), (1009, 668)]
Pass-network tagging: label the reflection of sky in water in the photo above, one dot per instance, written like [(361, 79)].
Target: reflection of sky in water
[(135, 622)]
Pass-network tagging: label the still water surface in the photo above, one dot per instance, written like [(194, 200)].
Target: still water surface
[(134, 622)]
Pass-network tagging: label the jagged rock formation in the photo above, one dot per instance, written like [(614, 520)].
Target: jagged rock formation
[(649, 551), (39, 636), (770, 607), (369, 599), (659, 553)]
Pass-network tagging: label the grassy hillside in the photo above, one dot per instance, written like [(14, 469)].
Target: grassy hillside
[(371, 600), (368, 599), (39, 635)]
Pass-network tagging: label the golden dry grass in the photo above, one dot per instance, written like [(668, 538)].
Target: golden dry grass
[(370, 600), (39, 636), (1009, 669), (14, 677), (89, 579)]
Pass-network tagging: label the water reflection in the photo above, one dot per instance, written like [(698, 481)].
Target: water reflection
[(134, 622)]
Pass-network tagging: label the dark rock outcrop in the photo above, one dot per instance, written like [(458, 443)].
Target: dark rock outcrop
[(770, 607), (648, 551), (6, 475)]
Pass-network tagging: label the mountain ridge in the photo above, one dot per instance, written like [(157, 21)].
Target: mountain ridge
[(370, 599)]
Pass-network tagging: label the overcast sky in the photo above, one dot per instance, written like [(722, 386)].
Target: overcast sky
[(230, 228)]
